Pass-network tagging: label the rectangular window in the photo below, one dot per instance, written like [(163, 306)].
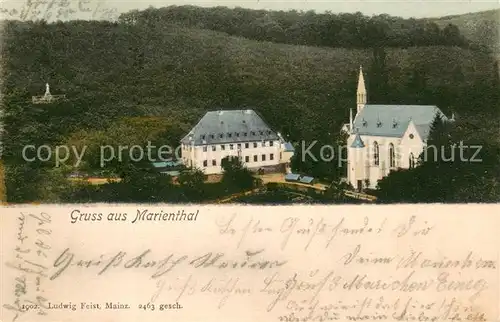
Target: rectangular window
[(214, 148), (263, 157), (245, 134), (231, 146), (205, 163), (271, 156), (254, 158), (239, 146), (263, 143), (205, 148), (271, 143), (214, 163), (237, 134), (247, 145), (222, 147), (247, 159), (255, 144)]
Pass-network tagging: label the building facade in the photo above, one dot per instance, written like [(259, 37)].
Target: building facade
[(238, 133), (383, 138)]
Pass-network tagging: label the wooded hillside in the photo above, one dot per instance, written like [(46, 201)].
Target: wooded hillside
[(159, 69)]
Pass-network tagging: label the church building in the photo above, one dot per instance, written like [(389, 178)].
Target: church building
[(383, 138)]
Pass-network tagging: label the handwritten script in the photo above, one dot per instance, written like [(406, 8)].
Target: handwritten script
[(263, 266), (33, 245), (53, 10)]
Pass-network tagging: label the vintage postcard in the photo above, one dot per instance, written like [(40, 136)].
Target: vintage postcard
[(262, 102), (256, 160)]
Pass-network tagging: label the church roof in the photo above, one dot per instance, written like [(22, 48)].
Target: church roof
[(357, 143), (393, 120), (423, 130), (229, 126)]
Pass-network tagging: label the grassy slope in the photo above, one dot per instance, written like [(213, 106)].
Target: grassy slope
[(481, 27)]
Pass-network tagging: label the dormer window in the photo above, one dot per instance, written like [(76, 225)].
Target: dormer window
[(212, 136), (253, 133), (237, 134), (364, 123), (229, 135), (394, 124), (379, 124), (261, 133), (202, 137), (245, 134), (221, 135), (268, 132)]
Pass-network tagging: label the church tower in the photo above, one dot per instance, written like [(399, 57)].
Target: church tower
[(361, 93)]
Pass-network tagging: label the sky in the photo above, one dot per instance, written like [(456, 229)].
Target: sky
[(407, 9)]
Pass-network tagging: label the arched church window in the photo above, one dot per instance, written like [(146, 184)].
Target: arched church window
[(392, 156), (412, 161), (376, 153)]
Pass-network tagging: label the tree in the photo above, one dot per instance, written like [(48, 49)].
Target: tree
[(145, 185), (379, 80), (236, 175), (192, 182), (437, 142), (458, 165)]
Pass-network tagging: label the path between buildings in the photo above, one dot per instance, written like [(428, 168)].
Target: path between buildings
[(280, 178)]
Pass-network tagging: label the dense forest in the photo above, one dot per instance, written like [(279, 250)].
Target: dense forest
[(154, 73), (305, 28)]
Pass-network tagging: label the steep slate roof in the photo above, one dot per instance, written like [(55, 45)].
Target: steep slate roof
[(241, 125), (421, 115), (423, 130)]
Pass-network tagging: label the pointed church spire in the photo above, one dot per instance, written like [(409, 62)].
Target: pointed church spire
[(361, 81), (361, 92), (358, 142)]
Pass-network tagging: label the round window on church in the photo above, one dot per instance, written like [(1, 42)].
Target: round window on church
[(411, 136)]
